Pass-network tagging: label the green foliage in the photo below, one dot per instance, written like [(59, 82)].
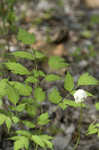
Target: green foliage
[(54, 96), (93, 129), (2, 119), (15, 119), (23, 89), (20, 142), (23, 54), (39, 55), (3, 84), (29, 124), (43, 141), (56, 62), (43, 119), (25, 37), (39, 94), (31, 79), (17, 68), (19, 108), (66, 102), (97, 106), (68, 82), (8, 123), (52, 77), (87, 79), (13, 94)]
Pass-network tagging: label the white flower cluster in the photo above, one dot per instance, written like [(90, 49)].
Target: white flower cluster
[(80, 95)]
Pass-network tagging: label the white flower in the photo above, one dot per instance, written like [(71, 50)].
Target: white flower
[(80, 95)]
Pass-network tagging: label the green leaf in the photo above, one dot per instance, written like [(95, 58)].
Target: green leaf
[(8, 123), (13, 94), (15, 119), (23, 133), (54, 96), (63, 105), (90, 94), (39, 55), (46, 139), (38, 73), (31, 79), (23, 89), (2, 119), (97, 106), (38, 140), (43, 119), (29, 124), (87, 79), (56, 62), (23, 54), (23, 142), (26, 37), (67, 102), (20, 107), (3, 84), (43, 141), (52, 77), (39, 94), (69, 82), (92, 129), (31, 110), (17, 68)]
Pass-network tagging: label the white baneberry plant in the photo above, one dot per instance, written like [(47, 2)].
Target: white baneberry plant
[(21, 102)]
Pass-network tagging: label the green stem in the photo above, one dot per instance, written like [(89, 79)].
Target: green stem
[(79, 128), (36, 147)]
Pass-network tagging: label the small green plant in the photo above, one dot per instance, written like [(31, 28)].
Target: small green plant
[(21, 102)]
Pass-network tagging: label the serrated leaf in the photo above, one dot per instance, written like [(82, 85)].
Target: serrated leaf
[(26, 37), (3, 84), (46, 139), (23, 54), (17, 68), (23, 89), (23, 142), (52, 77), (68, 82), (56, 62), (54, 96), (87, 79), (43, 140), (38, 140), (29, 124), (31, 79), (43, 119), (92, 129), (39, 94), (12, 94)]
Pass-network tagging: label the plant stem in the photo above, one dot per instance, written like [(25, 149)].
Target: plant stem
[(79, 128), (36, 147)]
